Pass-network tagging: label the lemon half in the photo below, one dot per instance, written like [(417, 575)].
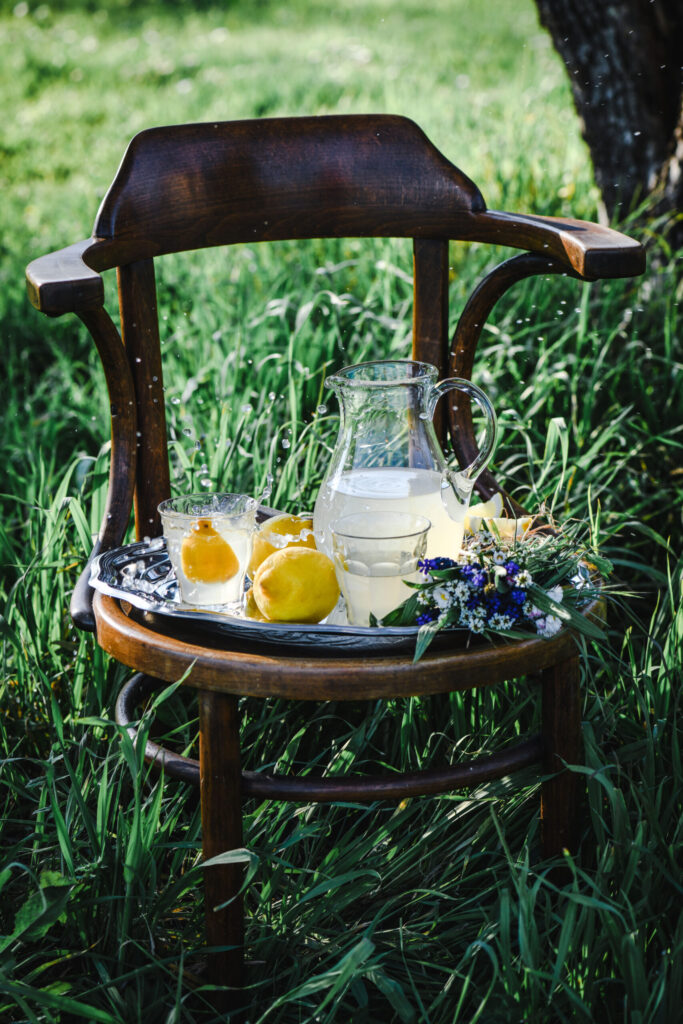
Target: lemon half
[(490, 511), (277, 533), (205, 556)]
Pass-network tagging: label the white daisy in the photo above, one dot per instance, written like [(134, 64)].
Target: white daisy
[(549, 626)]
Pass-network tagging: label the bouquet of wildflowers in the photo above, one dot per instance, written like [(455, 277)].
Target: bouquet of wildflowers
[(506, 585)]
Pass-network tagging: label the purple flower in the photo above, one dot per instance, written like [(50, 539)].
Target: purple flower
[(511, 568), (427, 616), (517, 595)]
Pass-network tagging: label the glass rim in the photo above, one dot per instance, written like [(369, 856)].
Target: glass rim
[(165, 508), (426, 372), (381, 536)]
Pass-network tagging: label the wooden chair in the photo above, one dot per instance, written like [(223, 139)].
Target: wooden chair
[(199, 185)]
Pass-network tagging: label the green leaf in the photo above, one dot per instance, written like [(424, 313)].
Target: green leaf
[(58, 1001), (404, 615), (425, 636), (394, 994), (40, 911)]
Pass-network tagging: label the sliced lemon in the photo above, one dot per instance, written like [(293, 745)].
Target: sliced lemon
[(205, 556), (511, 529), (489, 511)]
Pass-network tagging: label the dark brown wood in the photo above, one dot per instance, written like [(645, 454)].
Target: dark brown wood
[(198, 185), (464, 346), (296, 676), (62, 282), (430, 312), (592, 251), (365, 789), (358, 788), (188, 186), (140, 328), (123, 453), (561, 731), (136, 692), (221, 799)]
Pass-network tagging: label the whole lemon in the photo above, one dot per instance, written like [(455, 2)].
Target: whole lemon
[(296, 584), (277, 533)]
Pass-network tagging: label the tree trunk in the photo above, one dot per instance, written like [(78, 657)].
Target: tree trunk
[(623, 58)]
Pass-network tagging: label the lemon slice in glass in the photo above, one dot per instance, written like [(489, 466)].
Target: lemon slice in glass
[(206, 557)]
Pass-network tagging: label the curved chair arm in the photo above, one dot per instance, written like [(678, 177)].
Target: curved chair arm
[(62, 282), (589, 250), (123, 453), (464, 343), (554, 245)]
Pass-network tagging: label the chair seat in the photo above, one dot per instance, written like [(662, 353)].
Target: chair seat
[(297, 676)]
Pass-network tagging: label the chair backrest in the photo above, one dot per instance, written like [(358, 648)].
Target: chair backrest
[(190, 186), (193, 186)]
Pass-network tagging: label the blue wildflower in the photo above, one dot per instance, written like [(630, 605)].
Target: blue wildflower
[(468, 571), (518, 595), (427, 565), (512, 568), (427, 616)]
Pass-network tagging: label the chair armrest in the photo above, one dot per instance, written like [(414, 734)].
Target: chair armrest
[(592, 251), (62, 282)]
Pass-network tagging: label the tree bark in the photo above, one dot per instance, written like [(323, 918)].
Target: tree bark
[(623, 58)]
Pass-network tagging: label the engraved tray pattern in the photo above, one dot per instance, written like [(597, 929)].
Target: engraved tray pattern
[(142, 575)]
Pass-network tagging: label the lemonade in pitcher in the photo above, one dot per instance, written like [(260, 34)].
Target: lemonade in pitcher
[(387, 457), (395, 489)]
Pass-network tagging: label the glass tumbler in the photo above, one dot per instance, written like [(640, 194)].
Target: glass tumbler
[(373, 555), (209, 537)]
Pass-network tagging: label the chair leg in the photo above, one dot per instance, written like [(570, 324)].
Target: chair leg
[(221, 799), (561, 731)]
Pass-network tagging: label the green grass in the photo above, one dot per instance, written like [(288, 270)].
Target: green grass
[(437, 910)]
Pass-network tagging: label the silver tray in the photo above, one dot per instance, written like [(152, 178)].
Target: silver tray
[(142, 575)]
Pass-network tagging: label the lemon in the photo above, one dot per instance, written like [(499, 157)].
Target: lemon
[(296, 584), (277, 533), (205, 557), (251, 609), (489, 511)]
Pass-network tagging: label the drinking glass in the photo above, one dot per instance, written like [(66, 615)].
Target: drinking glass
[(208, 537), (373, 555)]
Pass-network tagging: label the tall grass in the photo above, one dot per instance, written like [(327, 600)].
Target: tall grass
[(436, 910)]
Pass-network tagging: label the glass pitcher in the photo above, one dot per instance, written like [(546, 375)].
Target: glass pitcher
[(387, 456)]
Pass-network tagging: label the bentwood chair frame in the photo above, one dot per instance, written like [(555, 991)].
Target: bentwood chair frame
[(195, 186)]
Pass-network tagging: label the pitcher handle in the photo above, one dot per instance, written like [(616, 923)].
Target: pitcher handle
[(467, 476)]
